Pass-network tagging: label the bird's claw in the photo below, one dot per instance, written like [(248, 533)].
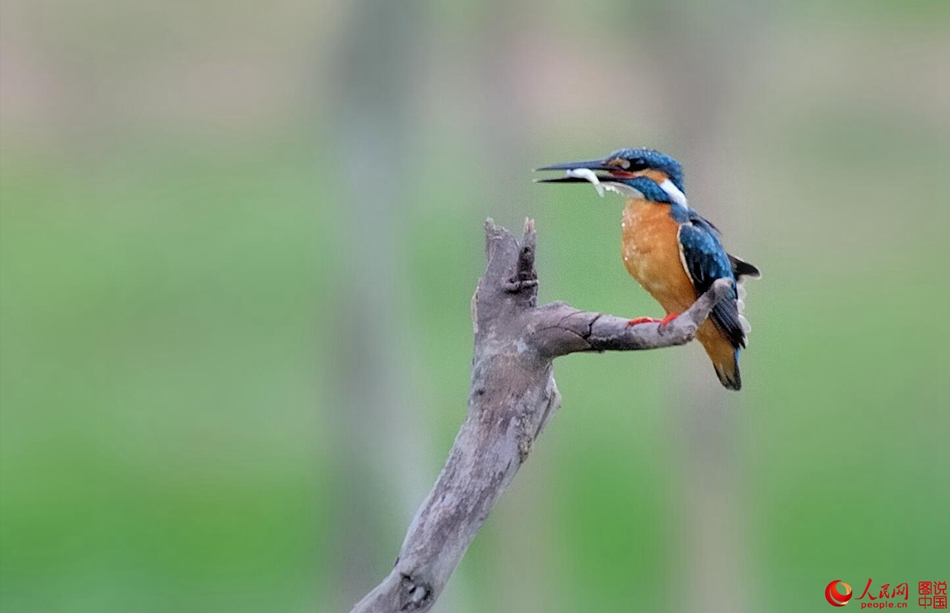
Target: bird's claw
[(651, 320), (642, 320)]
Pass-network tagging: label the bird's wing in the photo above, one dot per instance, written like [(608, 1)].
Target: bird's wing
[(741, 268), (696, 217), (705, 261)]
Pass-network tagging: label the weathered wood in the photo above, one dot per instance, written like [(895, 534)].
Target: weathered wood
[(512, 397)]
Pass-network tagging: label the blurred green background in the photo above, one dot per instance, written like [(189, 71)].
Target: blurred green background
[(238, 243)]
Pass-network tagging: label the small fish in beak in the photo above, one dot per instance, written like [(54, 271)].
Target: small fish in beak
[(588, 175)]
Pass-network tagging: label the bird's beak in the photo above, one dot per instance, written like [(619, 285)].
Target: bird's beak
[(571, 176)]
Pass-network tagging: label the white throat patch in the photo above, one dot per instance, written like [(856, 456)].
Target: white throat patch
[(674, 193)]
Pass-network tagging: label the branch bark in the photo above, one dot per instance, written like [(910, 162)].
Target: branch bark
[(511, 399)]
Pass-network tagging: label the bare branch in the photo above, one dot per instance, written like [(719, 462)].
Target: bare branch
[(512, 397), (562, 329)]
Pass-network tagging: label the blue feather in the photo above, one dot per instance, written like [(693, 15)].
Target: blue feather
[(706, 261), (651, 158)]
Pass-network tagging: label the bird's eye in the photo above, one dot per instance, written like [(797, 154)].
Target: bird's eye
[(638, 164)]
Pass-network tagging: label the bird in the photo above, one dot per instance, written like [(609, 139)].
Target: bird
[(670, 249)]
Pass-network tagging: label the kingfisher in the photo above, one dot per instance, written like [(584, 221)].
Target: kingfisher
[(671, 250)]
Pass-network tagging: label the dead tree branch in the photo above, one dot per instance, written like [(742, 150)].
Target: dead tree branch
[(512, 397)]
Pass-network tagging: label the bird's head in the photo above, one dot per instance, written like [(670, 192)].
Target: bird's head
[(635, 173)]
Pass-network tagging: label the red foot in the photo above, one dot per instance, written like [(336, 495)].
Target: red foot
[(669, 318), (642, 320)]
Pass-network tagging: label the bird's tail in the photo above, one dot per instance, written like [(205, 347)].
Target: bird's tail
[(724, 356), (728, 372)]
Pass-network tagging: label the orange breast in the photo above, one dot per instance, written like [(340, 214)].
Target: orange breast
[(651, 254)]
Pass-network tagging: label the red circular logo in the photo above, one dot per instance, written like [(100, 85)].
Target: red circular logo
[(836, 598)]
